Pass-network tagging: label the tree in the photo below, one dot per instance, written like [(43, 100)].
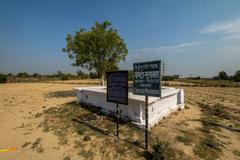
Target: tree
[(23, 75), (99, 49), (223, 75), (130, 75), (3, 78), (80, 73), (59, 74), (236, 77), (36, 75)]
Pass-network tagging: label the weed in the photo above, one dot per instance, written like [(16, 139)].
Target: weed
[(121, 150), (40, 149), (87, 154), (236, 152), (38, 115), (36, 143), (162, 151), (208, 148), (136, 142), (209, 122), (78, 144), (159, 150), (45, 126), (217, 110), (26, 144), (67, 158), (37, 146), (186, 107), (86, 138)]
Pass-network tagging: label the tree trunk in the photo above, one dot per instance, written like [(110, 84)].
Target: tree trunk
[(102, 80)]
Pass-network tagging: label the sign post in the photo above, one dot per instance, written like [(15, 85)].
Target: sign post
[(147, 82), (117, 121), (117, 90), (146, 122)]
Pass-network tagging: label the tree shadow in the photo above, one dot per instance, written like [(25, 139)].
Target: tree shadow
[(96, 111), (60, 94)]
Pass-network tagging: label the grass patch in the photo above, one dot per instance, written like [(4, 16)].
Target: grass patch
[(37, 146), (161, 150), (218, 110), (210, 123), (209, 148), (89, 123), (214, 117), (184, 139), (88, 154)]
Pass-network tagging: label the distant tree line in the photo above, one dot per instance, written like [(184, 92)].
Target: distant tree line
[(224, 76), (59, 75)]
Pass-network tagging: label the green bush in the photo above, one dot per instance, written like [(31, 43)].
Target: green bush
[(64, 77), (3, 78), (236, 77), (167, 78), (159, 150)]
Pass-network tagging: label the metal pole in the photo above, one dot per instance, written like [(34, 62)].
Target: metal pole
[(117, 120), (146, 122)]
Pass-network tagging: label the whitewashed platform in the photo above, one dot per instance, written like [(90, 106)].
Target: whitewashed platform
[(172, 100)]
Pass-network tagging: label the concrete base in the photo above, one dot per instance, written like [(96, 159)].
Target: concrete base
[(172, 99)]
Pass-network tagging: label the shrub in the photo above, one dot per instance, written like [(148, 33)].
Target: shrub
[(159, 150), (86, 138), (3, 78), (167, 78), (236, 77), (64, 77), (23, 75)]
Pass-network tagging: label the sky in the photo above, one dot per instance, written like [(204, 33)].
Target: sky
[(197, 37)]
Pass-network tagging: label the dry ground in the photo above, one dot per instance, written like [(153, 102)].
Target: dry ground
[(43, 122)]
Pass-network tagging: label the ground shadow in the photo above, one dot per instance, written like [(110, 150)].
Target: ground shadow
[(96, 129), (85, 120), (216, 124), (60, 94), (98, 111), (106, 133)]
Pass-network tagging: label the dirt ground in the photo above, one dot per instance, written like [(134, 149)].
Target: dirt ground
[(26, 109)]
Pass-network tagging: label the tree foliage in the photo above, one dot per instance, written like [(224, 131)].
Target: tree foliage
[(101, 48), (236, 77), (3, 78), (223, 75)]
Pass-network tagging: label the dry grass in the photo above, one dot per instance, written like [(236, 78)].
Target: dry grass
[(209, 127)]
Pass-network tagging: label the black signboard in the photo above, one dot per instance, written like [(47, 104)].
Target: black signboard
[(147, 78), (117, 87)]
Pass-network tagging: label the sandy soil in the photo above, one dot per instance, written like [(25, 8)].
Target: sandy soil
[(20, 102)]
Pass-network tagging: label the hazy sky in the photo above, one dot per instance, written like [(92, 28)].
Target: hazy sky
[(201, 37)]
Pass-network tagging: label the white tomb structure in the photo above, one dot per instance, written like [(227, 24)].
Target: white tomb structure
[(172, 99)]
